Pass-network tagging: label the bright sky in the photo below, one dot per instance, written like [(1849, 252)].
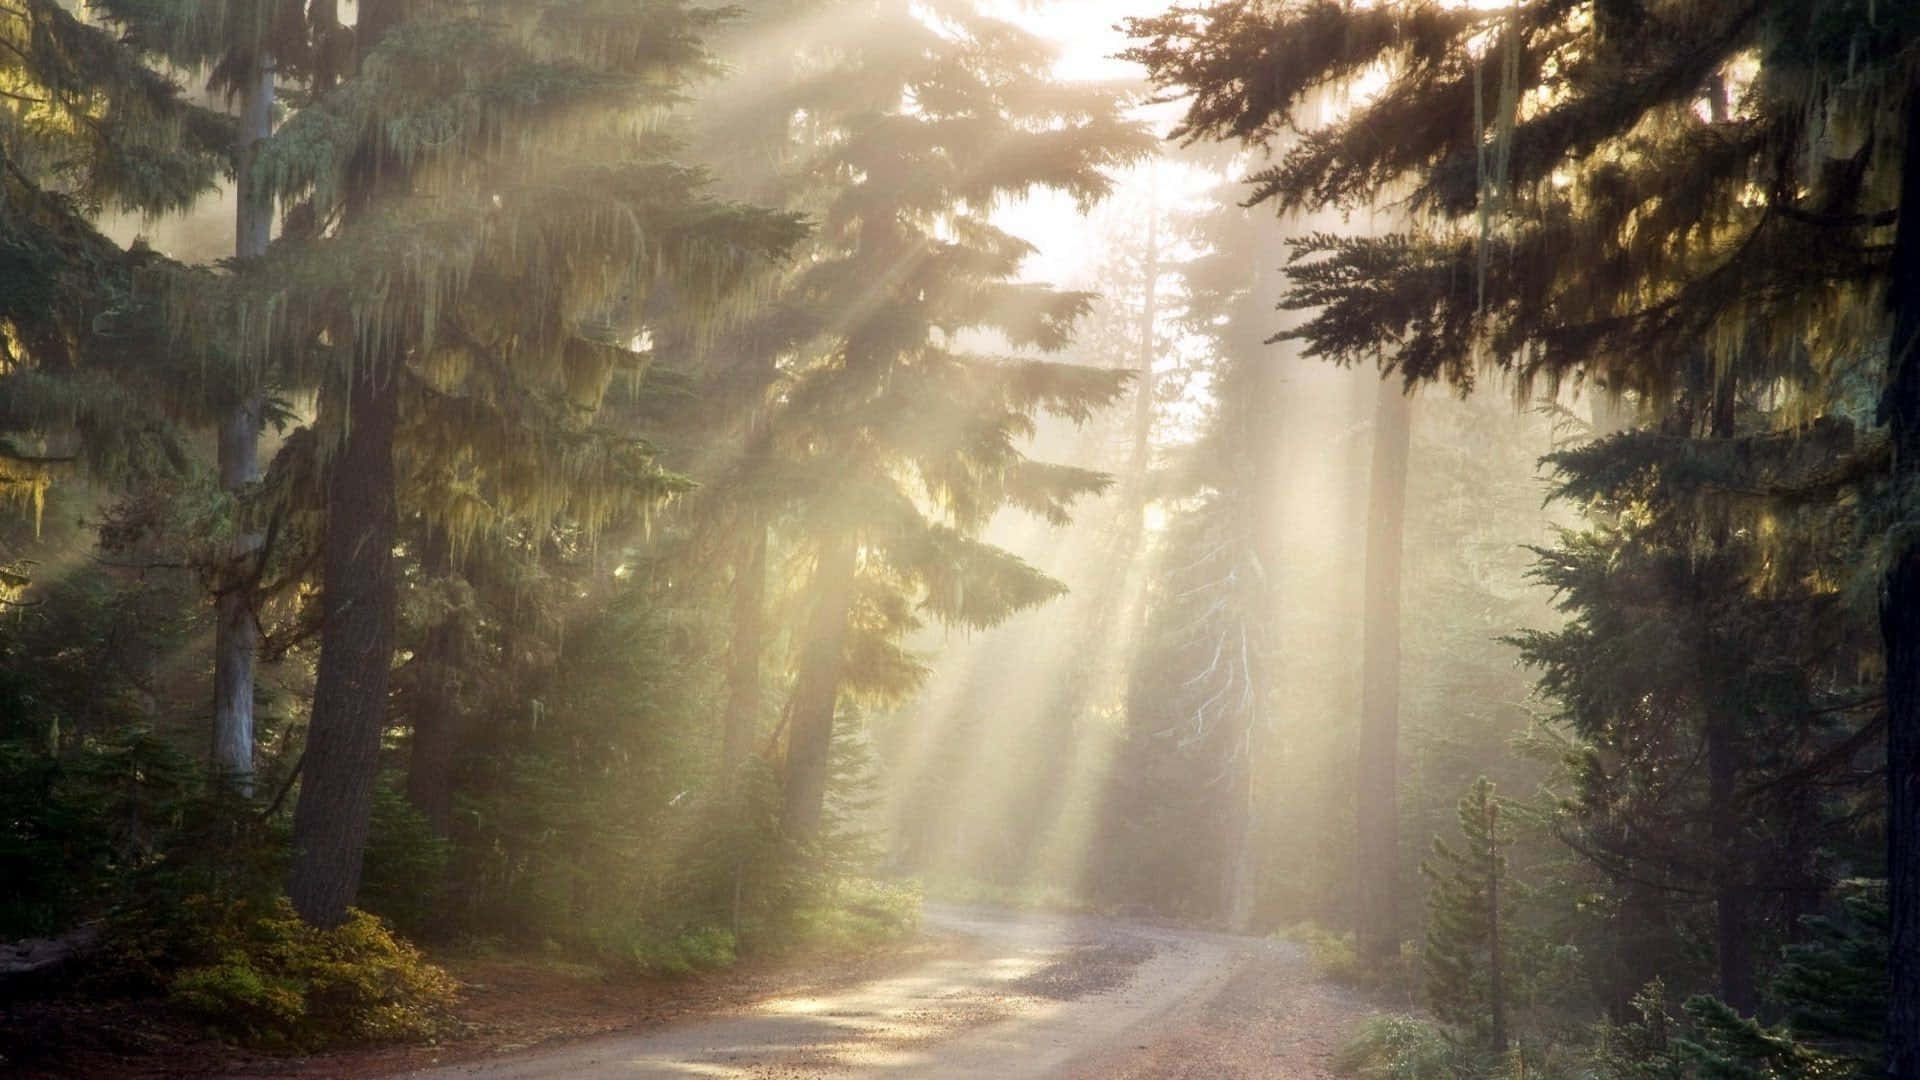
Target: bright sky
[(1082, 29), (1084, 33)]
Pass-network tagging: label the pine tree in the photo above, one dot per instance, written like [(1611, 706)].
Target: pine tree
[(891, 409), (461, 322), (1470, 897), (1738, 229), (1681, 615), (87, 124)]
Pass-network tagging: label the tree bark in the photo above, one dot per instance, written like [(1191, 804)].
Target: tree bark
[(1900, 623), (331, 820), (1376, 787), (236, 636), (1496, 982), (816, 691)]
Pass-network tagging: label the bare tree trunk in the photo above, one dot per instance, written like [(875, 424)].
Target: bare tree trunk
[(1900, 624), (331, 821), (1376, 791), (816, 691), (235, 633)]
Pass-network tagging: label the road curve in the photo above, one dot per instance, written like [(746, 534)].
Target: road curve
[(1032, 995)]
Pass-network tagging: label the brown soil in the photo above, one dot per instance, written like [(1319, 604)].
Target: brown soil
[(1273, 1020), (506, 1004)]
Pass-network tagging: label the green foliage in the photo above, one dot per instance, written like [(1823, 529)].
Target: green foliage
[(1403, 1048), (74, 827), (268, 978), (1333, 955), (1470, 901), (685, 953), (405, 863), (1833, 984)]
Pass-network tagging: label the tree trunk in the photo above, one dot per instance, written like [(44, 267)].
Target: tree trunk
[(1496, 982), (235, 633), (1376, 787), (434, 711), (1900, 624), (816, 692), (331, 820)]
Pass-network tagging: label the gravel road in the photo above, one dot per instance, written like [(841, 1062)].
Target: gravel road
[(1031, 996)]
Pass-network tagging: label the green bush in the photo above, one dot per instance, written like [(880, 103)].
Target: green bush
[(1332, 954), (271, 980), (406, 862), (1404, 1048)]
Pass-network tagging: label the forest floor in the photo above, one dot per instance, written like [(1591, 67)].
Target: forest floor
[(507, 1005), (982, 993)]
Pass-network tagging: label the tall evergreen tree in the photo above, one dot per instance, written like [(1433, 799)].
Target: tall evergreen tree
[(456, 315), (931, 118), (87, 124), (1578, 129)]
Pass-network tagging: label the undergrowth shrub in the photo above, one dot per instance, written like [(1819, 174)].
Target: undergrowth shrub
[(267, 978), (406, 863), (707, 948), (1404, 1048), (1336, 960)]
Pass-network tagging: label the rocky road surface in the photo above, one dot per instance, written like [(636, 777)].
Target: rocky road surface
[(1029, 996)]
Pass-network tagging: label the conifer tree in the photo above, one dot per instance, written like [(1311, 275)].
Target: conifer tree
[(237, 44), (1526, 133), (1199, 699), (461, 319), (1469, 899), (87, 124), (931, 117)]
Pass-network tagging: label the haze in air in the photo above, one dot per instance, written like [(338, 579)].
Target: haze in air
[(1273, 538)]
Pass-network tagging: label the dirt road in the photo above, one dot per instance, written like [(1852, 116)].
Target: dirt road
[(1030, 996)]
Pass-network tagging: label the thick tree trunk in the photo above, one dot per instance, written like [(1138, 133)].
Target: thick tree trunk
[(1900, 625), (816, 692), (433, 708), (1377, 813), (743, 655), (236, 636), (330, 822)]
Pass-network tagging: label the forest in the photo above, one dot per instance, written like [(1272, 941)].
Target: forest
[(663, 491)]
